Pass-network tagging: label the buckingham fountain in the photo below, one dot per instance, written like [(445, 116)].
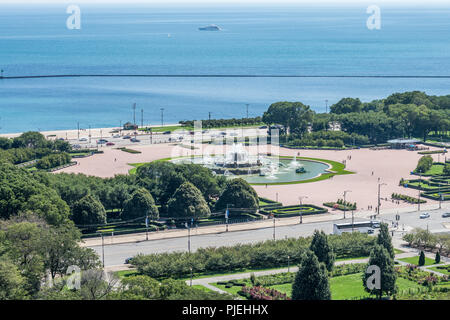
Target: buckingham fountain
[(260, 168)]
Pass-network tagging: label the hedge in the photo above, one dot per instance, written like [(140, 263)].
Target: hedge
[(267, 254)]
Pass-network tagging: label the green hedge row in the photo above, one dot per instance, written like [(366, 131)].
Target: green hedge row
[(267, 254)]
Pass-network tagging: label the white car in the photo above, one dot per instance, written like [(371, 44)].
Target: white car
[(83, 139), (424, 215)]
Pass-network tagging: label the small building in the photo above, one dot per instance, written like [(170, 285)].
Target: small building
[(410, 144), (129, 126)]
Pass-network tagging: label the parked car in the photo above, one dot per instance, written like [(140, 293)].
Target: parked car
[(83, 139), (126, 137), (424, 215), (110, 144), (127, 260), (135, 140), (370, 231), (102, 141), (166, 132), (446, 215), (263, 127), (76, 146), (116, 136)]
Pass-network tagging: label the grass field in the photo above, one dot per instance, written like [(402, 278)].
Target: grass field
[(415, 261), (444, 271), (349, 287)]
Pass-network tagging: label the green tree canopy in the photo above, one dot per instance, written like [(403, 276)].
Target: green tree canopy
[(240, 194), (381, 258), (322, 249), (88, 210), (141, 204), (21, 192), (346, 105), (311, 280), (384, 239), (187, 202)]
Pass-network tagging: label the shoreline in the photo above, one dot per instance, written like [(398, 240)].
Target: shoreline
[(72, 134)]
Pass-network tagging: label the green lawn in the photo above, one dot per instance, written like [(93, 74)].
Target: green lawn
[(415, 261), (444, 271), (349, 287), (233, 290), (200, 287), (126, 273)]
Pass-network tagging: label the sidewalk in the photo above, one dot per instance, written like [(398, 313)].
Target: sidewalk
[(266, 223)]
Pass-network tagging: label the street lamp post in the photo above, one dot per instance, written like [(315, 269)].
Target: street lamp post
[(226, 215), (420, 187), (103, 249), (191, 275), (345, 203), (274, 227), (146, 228), (288, 262), (379, 200), (300, 209)]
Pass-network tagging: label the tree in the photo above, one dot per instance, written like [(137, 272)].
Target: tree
[(140, 205), (294, 116), (421, 259), (240, 194), (88, 210), (437, 258), (188, 202), (381, 258), (311, 280), (424, 164), (321, 248), (446, 170), (384, 239), (346, 105), (140, 287), (11, 281), (21, 192)]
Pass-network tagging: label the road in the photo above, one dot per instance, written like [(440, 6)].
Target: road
[(115, 254)]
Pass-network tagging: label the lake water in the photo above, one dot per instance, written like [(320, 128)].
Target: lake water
[(166, 41)]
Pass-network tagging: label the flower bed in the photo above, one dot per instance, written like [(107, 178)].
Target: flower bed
[(261, 293), (294, 210), (406, 198)]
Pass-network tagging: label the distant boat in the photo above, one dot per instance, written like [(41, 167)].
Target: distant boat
[(211, 27)]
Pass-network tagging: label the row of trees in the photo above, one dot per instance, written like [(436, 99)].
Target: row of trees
[(29, 146), (220, 123), (158, 189), (259, 255), (409, 114), (53, 160), (423, 238), (312, 279)]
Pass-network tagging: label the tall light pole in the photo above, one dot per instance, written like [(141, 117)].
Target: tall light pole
[(300, 209), (345, 203), (379, 199), (420, 187), (134, 114), (274, 227), (103, 249), (288, 262), (227, 212)]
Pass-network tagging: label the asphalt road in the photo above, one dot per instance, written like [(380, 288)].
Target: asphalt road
[(115, 254)]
